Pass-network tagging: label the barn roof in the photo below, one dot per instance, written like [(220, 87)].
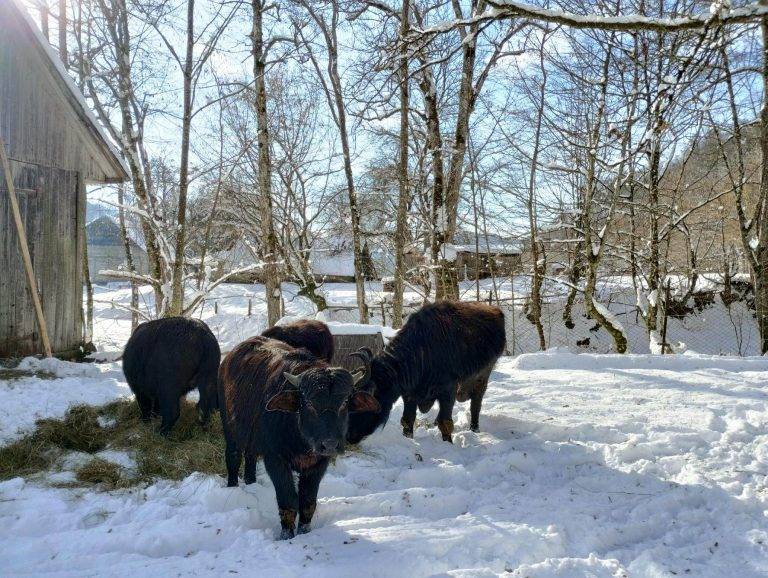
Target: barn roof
[(119, 169)]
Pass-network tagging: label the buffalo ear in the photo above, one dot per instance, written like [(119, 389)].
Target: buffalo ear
[(363, 401), (286, 400)]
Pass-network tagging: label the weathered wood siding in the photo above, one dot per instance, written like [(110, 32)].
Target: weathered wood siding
[(39, 118), (53, 154), (51, 203)]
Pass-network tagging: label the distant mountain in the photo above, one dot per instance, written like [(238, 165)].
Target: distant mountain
[(96, 209)]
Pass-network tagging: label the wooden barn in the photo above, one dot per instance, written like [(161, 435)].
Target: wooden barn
[(55, 147)]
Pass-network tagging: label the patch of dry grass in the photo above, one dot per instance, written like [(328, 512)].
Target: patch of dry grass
[(101, 472), (117, 426)]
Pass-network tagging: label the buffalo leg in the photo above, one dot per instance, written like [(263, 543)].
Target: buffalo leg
[(280, 473), (250, 468), (145, 406), (445, 415), (233, 455), (309, 483), (170, 408), (409, 417), (476, 401), (155, 407)]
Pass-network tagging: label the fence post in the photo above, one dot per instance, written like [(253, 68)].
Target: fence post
[(216, 307), (250, 306), (666, 316), (512, 300)]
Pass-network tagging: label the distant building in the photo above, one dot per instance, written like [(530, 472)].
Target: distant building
[(559, 240), (56, 147), (486, 256), (106, 250), (331, 259)]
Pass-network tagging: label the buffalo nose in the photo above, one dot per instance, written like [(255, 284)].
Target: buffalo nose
[(330, 447)]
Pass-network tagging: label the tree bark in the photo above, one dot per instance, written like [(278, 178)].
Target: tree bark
[(760, 220), (177, 276), (269, 238), (403, 191), (538, 271), (44, 20), (88, 337), (128, 256), (63, 54)]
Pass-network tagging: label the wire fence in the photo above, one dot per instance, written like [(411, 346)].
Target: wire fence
[(708, 324)]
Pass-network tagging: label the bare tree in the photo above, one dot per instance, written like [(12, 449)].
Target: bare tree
[(403, 192), (325, 16)]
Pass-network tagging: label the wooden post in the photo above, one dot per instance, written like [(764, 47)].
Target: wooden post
[(25, 250), (250, 306), (664, 345)]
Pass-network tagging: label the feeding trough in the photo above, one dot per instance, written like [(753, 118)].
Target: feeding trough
[(349, 337)]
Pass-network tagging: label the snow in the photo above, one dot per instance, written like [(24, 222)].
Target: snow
[(585, 466), (338, 328), (31, 397), (448, 252), (609, 317)]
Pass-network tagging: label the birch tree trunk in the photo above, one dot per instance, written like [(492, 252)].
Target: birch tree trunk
[(88, 334), (760, 219), (128, 256), (44, 20), (593, 240), (116, 15), (538, 271), (269, 238), (335, 96), (63, 53), (177, 276), (403, 192)]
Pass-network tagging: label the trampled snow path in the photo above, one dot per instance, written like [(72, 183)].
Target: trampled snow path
[(587, 465)]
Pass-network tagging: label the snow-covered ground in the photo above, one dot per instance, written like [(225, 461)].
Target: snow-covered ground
[(586, 465), (48, 387)]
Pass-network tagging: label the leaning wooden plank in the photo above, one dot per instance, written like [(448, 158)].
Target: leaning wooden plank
[(25, 250)]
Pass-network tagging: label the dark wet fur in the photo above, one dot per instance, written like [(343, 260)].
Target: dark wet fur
[(445, 352), (164, 360), (307, 333), (258, 421)]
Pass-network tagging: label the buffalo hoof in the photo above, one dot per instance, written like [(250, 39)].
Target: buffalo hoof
[(448, 438), (475, 428), (287, 534), (304, 528), (232, 483), (408, 432)]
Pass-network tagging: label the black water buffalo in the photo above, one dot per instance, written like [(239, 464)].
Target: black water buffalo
[(445, 352), (292, 409), (307, 333), (164, 360)]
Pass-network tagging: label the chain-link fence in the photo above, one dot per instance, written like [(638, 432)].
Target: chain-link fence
[(707, 324)]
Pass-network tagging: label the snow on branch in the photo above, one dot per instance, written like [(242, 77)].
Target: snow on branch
[(507, 9), (200, 295)]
